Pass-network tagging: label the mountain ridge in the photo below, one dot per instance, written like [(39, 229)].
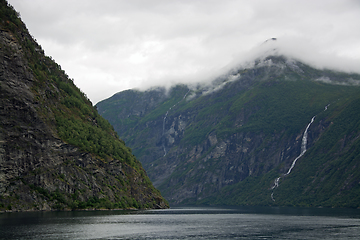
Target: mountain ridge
[(56, 151), (201, 144)]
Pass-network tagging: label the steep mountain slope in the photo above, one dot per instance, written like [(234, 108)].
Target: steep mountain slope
[(228, 142), (56, 151)]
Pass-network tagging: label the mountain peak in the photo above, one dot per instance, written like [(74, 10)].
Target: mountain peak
[(270, 39), (222, 144)]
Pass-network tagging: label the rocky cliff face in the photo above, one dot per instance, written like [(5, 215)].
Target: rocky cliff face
[(226, 143), (39, 169)]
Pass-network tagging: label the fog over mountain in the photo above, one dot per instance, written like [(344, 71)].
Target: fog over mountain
[(295, 49), (109, 46), (270, 132)]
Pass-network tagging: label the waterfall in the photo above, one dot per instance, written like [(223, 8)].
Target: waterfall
[(302, 152), (326, 107), (167, 112), (303, 146), (163, 132)]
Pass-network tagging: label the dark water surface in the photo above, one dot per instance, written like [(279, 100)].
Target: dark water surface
[(185, 223)]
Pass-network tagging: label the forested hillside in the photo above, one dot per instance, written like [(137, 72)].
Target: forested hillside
[(227, 143), (56, 151)]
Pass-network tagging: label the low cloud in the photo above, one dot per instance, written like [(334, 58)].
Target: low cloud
[(113, 45), (344, 82), (302, 49)]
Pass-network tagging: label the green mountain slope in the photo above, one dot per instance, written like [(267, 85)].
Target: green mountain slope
[(56, 151), (227, 143)]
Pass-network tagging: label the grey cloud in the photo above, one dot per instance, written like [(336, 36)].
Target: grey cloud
[(112, 45)]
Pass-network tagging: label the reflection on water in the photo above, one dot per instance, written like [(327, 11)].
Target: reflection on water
[(185, 223)]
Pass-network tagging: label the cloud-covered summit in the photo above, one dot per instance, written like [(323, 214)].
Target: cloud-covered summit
[(301, 49), (113, 45)]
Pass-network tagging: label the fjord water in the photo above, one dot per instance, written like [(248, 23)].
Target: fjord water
[(185, 223)]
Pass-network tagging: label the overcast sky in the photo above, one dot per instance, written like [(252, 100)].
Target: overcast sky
[(108, 46)]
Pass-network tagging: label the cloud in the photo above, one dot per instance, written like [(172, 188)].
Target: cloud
[(112, 45), (302, 49)]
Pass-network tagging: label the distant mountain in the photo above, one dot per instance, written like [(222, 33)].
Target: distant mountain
[(56, 151), (239, 140)]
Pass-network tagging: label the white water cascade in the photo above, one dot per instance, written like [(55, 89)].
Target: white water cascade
[(163, 132), (303, 146), (167, 112), (303, 150)]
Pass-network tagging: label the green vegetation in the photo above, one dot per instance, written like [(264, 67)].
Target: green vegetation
[(9, 17), (273, 107), (332, 164), (264, 113), (64, 112), (326, 176), (64, 106), (61, 201)]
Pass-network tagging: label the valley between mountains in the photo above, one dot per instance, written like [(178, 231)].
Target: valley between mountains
[(226, 142), (273, 132)]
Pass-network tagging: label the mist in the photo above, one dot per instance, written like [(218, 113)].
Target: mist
[(111, 46), (293, 48)]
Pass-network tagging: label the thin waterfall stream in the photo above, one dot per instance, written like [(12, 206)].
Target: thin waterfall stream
[(302, 152), (163, 132), (166, 114), (303, 146)]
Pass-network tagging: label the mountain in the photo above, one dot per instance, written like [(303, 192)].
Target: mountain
[(276, 132), (56, 151)]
